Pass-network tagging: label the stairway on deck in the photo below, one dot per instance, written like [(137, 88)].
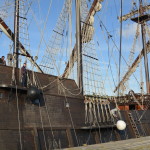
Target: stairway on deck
[(142, 143)]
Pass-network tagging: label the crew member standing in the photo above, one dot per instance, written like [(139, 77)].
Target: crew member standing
[(2, 61), (24, 75)]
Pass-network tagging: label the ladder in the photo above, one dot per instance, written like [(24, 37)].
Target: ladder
[(134, 127), (141, 125)]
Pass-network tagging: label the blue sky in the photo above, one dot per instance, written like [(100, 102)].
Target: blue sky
[(108, 15)]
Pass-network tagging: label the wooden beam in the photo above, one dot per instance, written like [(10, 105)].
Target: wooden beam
[(69, 137), (10, 35), (129, 15), (36, 140), (141, 19), (70, 63), (133, 67)]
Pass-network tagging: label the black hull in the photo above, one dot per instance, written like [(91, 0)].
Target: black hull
[(54, 126)]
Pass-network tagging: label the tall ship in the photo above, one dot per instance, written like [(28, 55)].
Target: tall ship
[(74, 73)]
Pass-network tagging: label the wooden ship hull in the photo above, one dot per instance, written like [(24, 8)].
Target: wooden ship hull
[(63, 117), (54, 124)]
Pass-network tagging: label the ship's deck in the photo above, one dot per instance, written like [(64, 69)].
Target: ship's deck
[(142, 143)]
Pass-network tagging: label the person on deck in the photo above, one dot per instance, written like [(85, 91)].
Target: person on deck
[(2, 61), (24, 75)]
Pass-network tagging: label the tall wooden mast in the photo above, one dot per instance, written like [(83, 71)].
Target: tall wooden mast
[(79, 47), (143, 31), (16, 34)]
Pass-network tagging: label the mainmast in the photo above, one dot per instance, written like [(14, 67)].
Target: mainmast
[(79, 47), (143, 31), (16, 34)]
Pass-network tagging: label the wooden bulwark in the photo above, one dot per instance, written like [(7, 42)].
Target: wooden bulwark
[(33, 130)]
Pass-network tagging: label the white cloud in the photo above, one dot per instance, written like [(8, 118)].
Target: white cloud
[(129, 30), (3, 14)]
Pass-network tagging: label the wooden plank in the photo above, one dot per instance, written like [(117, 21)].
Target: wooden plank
[(70, 140), (97, 139), (132, 13), (36, 140)]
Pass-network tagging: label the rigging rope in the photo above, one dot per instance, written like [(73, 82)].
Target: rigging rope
[(71, 119), (43, 130), (101, 23), (131, 57), (110, 63), (49, 116), (49, 120), (41, 118), (43, 31), (44, 40), (39, 7), (17, 102), (110, 56), (116, 8), (19, 122)]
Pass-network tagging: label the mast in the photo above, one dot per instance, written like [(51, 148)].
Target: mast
[(141, 19), (79, 47), (16, 34), (73, 55), (143, 31)]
